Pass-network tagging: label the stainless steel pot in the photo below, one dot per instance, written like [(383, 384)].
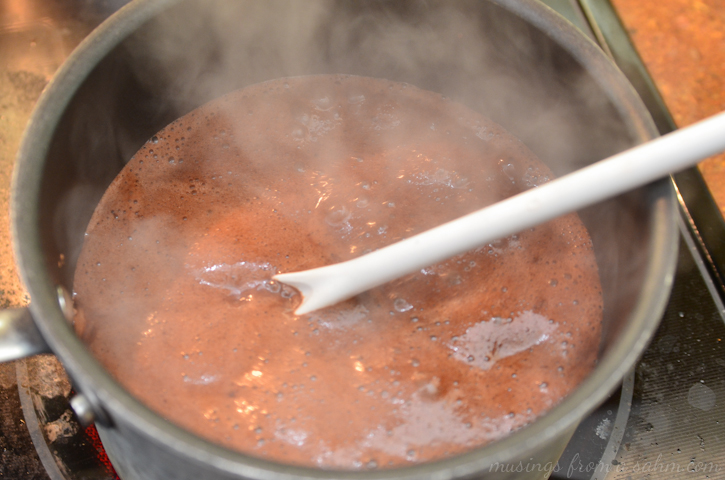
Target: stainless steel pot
[(157, 59)]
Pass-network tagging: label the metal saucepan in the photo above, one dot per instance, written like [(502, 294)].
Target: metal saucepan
[(515, 61)]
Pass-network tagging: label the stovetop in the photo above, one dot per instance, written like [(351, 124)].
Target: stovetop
[(663, 423)]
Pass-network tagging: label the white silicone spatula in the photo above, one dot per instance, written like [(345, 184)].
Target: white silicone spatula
[(325, 286)]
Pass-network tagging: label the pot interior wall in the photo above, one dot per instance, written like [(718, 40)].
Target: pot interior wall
[(473, 52)]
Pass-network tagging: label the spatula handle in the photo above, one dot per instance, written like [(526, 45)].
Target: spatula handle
[(625, 171)]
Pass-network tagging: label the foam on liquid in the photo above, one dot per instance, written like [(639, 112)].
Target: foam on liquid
[(174, 294)]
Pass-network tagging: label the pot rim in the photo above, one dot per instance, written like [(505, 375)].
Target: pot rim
[(107, 395)]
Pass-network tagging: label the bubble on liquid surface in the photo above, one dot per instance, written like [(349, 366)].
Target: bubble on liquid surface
[(430, 420), (487, 341), (294, 437), (239, 278), (440, 177), (483, 133), (204, 379), (323, 103), (531, 179), (385, 121), (340, 318), (401, 305), (338, 217), (318, 127), (272, 286), (510, 171), (298, 133)]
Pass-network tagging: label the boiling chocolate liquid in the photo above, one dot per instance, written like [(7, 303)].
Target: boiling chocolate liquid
[(174, 294)]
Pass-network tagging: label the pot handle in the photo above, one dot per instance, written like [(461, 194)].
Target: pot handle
[(19, 337)]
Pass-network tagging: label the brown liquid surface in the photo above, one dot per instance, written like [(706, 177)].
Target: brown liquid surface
[(174, 293)]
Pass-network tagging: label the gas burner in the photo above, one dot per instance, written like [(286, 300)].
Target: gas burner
[(65, 448)]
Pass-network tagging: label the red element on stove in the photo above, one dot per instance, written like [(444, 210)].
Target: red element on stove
[(92, 435)]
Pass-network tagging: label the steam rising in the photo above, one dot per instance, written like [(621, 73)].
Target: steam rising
[(472, 52)]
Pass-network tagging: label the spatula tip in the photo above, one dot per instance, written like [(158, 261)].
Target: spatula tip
[(304, 289)]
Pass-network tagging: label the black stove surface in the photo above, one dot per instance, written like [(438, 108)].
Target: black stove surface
[(663, 423)]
